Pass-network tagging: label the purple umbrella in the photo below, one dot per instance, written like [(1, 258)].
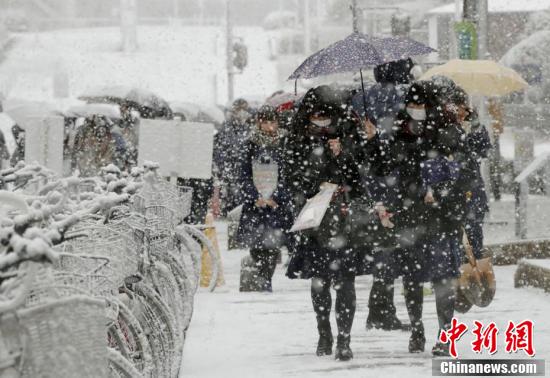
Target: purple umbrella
[(353, 53), (356, 52), (396, 48)]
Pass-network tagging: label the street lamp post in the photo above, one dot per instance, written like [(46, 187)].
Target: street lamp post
[(229, 52), (355, 16), (307, 28), (483, 29)]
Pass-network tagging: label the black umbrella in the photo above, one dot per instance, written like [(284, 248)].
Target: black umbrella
[(147, 103)]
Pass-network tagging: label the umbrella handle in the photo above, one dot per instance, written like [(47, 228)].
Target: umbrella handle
[(364, 95), (296, 87)]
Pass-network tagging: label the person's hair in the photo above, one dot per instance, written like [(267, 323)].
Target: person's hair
[(395, 72), (320, 100), (419, 93), (459, 97), (266, 113), (239, 103)]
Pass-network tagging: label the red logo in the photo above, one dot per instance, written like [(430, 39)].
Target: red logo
[(453, 335), (518, 337), (485, 338)]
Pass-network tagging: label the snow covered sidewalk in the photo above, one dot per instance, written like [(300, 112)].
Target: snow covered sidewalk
[(235, 334)]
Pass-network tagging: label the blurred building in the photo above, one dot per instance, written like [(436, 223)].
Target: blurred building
[(55, 14), (507, 20)]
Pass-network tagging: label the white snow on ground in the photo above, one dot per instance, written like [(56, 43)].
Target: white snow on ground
[(177, 62), (235, 334)]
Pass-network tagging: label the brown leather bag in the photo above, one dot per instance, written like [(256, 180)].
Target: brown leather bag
[(477, 283)]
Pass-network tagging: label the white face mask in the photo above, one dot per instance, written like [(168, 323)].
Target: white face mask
[(322, 122), (417, 114)]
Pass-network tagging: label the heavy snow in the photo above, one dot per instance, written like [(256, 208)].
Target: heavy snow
[(176, 62), (237, 334)]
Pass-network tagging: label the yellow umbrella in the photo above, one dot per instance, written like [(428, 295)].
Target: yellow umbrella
[(480, 77)]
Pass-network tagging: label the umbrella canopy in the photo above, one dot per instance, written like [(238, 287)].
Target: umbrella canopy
[(480, 77), (146, 102), (356, 52), (107, 110), (396, 48), (20, 110)]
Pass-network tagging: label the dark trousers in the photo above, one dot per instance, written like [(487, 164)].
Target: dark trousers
[(445, 295), (414, 300), (266, 261), (381, 299), (344, 306), (381, 295)]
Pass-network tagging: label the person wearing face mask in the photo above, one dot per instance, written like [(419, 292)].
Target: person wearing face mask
[(266, 215), (448, 176), (319, 150), (228, 146), (404, 148), (384, 101), (425, 156)]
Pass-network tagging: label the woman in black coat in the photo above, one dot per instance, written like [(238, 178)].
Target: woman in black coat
[(320, 151), (266, 215), (423, 160)]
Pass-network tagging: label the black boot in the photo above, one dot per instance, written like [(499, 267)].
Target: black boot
[(417, 342), (440, 350), (343, 351), (324, 346), (388, 323)]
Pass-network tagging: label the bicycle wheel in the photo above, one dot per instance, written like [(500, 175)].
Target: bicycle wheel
[(184, 286), (120, 367), (127, 336), (166, 285), (160, 328)]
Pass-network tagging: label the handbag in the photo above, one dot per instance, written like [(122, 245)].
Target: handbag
[(477, 283)]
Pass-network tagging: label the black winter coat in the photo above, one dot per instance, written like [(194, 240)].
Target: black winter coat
[(327, 250), (427, 239)]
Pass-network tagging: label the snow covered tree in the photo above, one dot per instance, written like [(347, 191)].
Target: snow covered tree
[(538, 21), (530, 58)]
